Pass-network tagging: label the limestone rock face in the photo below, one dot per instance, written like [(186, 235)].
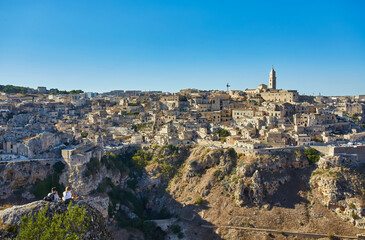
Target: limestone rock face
[(262, 176), (341, 189), (12, 216), (99, 203), (20, 175), (250, 179), (41, 143), (81, 185)]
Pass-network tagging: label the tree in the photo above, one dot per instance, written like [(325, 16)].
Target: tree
[(312, 155), (71, 225), (223, 133)]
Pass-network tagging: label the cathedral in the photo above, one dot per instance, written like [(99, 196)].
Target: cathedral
[(271, 93)]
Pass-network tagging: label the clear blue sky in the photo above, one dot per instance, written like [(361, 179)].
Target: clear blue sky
[(315, 46)]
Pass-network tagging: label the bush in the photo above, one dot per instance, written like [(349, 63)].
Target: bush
[(199, 201), (164, 214), (58, 167), (232, 153), (332, 237), (312, 155), (172, 148), (167, 170), (175, 228), (222, 133), (113, 161), (180, 235), (141, 158), (93, 166), (11, 228), (352, 206), (132, 183), (72, 224), (104, 185), (84, 134)]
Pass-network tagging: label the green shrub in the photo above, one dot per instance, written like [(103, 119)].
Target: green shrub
[(141, 158), (187, 199), (167, 170), (11, 228), (171, 147), (312, 155), (58, 167), (222, 133), (353, 215), (317, 139), (175, 228), (102, 188), (132, 183), (352, 206), (134, 104), (232, 153), (332, 237), (72, 224), (199, 201), (84, 134), (93, 166), (164, 214)]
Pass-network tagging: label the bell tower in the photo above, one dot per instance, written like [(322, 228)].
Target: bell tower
[(272, 79)]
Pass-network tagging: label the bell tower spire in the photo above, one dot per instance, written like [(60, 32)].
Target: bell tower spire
[(272, 79)]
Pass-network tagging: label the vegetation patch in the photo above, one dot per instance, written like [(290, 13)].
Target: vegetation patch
[(327, 172), (199, 201), (92, 167), (72, 224), (312, 155)]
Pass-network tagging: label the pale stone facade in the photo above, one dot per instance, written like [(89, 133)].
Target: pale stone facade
[(272, 79), (289, 96)]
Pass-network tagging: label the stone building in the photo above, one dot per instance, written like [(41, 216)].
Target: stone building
[(81, 154), (289, 96), (272, 79)]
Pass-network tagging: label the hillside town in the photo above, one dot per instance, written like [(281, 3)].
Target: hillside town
[(153, 157), (77, 126)]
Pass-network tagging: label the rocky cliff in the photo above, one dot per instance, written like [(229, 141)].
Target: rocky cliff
[(194, 186), (341, 188), (18, 178)]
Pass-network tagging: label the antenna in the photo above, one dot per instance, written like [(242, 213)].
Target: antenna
[(228, 86)]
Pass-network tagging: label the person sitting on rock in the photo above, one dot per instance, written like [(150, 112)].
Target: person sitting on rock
[(52, 196), (68, 195)]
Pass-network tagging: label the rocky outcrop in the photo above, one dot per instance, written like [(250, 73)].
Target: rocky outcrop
[(18, 177), (42, 144), (341, 189), (99, 203), (250, 179), (257, 178), (83, 185), (12, 217)]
